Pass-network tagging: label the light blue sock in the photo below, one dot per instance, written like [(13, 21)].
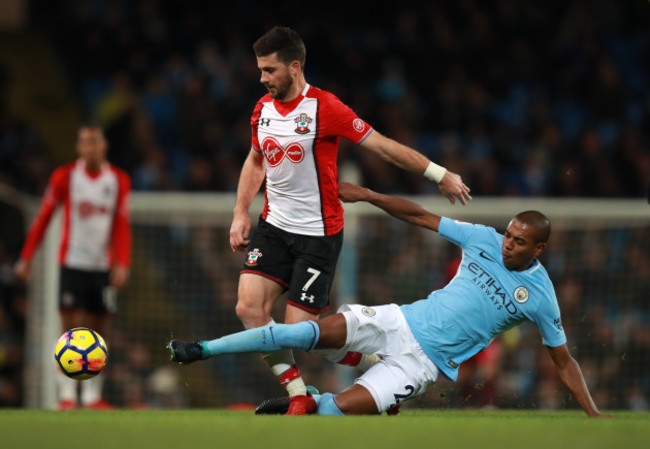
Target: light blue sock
[(269, 338), (327, 405)]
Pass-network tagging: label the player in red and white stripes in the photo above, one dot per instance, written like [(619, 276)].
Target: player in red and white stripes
[(95, 250), (296, 132)]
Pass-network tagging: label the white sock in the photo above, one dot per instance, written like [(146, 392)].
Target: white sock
[(368, 361), (284, 369), (67, 387), (296, 387), (91, 390)]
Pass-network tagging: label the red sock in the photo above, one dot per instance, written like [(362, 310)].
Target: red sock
[(350, 359), (289, 375)]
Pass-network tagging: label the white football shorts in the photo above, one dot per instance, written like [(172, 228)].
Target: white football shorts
[(405, 371)]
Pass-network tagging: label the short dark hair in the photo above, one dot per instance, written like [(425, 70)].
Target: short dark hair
[(539, 221), (285, 42)]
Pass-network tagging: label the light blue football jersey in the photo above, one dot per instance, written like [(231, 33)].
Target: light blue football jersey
[(483, 300)]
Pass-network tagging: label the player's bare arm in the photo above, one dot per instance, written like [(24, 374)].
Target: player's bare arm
[(450, 184), (250, 180), (571, 376), (22, 270), (403, 209), (119, 276)]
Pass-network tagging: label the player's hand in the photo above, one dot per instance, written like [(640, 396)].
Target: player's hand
[(350, 193), (22, 270), (239, 232), (119, 276), (452, 186)]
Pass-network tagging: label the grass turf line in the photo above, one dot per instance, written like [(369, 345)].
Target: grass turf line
[(218, 429)]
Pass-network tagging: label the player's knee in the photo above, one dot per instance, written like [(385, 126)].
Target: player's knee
[(327, 405), (252, 315)]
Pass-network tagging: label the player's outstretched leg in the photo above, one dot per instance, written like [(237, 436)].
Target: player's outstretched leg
[(269, 338)]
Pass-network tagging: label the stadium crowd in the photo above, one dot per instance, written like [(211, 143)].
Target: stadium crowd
[(521, 98)]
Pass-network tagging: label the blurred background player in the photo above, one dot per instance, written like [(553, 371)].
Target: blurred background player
[(95, 249), (296, 129)]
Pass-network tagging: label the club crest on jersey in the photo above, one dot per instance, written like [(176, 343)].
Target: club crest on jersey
[(302, 122), (521, 295), (252, 258), (368, 311)]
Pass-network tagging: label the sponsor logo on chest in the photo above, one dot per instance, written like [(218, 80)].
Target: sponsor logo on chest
[(495, 292), (87, 209), (275, 153), (93, 197), (279, 140)]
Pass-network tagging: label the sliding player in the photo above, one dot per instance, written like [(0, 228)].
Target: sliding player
[(500, 284)]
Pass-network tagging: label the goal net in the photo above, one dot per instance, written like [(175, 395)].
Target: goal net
[(184, 279)]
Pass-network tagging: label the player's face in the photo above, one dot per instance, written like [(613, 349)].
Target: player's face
[(92, 146), (276, 76), (519, 246)]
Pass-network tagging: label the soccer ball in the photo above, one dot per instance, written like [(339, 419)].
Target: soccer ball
[(81, 353)]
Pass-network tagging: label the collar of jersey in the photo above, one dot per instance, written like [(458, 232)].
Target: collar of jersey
[(285, 107), (91, 174), (533, 268)]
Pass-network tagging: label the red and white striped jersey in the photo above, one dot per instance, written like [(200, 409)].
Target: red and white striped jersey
[(300, 143), (96, 231)]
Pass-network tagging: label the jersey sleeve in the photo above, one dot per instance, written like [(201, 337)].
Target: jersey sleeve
[(56, 192), (549, 321), (121, 238), (337, 119), (458, 232), (255, 143)]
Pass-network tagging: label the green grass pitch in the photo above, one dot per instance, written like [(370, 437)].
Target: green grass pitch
[(217, 429)]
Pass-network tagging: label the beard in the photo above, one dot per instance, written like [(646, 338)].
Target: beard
[(282, 89)]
